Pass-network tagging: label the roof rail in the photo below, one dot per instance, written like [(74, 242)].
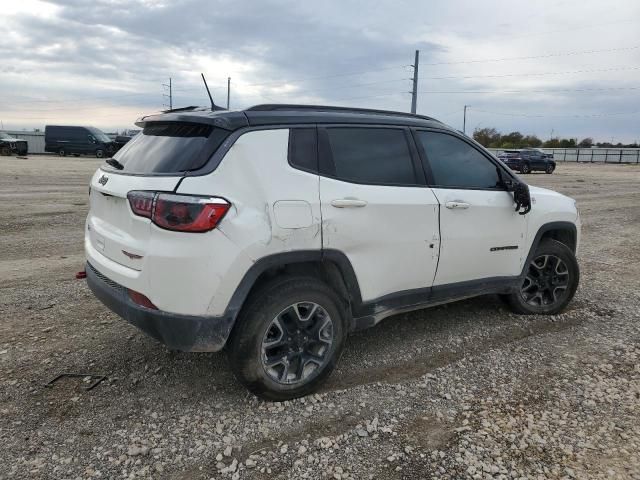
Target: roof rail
[(327, 108)]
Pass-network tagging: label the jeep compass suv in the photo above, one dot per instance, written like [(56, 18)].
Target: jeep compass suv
[(276, 231), (528, 160)]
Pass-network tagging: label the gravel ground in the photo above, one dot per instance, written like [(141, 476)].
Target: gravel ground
[(467, 390)]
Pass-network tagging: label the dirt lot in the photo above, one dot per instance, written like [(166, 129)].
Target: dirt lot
[(467, 390)]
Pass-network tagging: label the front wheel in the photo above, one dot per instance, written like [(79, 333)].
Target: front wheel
[(550, 281), (99, 153), (288, 338)]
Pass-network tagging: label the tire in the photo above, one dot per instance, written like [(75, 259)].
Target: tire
[(99, 153), (548, 286), (525, 168), (62, 153), (260, 338), (550, 168), (5, 151)]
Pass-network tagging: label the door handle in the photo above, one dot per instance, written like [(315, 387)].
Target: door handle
[(348, 203), (457, 204)]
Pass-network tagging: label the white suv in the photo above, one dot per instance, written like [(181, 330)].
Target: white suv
[(275, 231)]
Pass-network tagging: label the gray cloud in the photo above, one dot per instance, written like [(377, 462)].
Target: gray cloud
[(103, 62)]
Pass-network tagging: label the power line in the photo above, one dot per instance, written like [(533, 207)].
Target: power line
[(532, 57), (134, 94), (569, 29), (353, 85), (511, 114), (73, 105), (532, 90), (337, 75), (534, 74), (549, 55)]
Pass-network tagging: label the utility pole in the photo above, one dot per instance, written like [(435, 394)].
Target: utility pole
[(464, 121), (170, 93), (414, 92), (228, 90)]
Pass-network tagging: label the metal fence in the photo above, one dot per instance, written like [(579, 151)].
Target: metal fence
[(590, 155)]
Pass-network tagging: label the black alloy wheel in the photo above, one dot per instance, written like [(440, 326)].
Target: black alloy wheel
[(549, 281), (288, 337), (546, 282), (297, 343)]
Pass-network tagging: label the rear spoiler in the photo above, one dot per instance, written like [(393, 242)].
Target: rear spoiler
[(227, 120)]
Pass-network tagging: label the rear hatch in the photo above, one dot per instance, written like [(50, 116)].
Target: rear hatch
[(154, 161)]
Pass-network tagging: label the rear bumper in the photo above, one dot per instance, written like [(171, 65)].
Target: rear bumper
[(186, 333)]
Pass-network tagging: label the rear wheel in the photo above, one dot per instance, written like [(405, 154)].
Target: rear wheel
[(62, 153), (5, 151), (550, 281), (99, 153), (288, 338), (550, 168), (525, 168)]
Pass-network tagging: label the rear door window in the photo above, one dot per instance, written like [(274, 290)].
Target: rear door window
[(170, 147), (378, 156)]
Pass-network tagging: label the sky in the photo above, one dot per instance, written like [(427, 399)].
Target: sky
[(567, 68)]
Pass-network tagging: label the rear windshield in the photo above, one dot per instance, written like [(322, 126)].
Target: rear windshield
[(170, 147)]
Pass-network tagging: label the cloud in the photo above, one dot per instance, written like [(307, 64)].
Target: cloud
[(104, 62)]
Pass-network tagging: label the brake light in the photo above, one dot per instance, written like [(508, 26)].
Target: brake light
[(182, 213)]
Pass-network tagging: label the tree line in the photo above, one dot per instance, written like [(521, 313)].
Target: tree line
[(492, 138)]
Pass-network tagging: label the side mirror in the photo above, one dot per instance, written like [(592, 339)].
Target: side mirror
[(509, 185), (522, 198)]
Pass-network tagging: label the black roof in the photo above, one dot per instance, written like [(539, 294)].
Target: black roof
[(279, 114)]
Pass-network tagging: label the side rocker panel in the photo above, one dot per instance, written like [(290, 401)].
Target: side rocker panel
[(370, 313)]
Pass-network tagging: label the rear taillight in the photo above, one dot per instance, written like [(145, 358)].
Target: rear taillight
[(141, 203), (182, 213)]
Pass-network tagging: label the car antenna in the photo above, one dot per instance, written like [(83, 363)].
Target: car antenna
[(208, 92)]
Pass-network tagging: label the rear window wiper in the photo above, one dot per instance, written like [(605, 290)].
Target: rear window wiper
[(114, 163)]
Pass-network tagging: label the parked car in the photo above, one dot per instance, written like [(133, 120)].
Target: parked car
[(276, 231), (120, 141), (528, 160), (12, 146), (72, 140)]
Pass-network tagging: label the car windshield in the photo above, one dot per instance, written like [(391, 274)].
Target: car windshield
[(99, 135), (5, 136)]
